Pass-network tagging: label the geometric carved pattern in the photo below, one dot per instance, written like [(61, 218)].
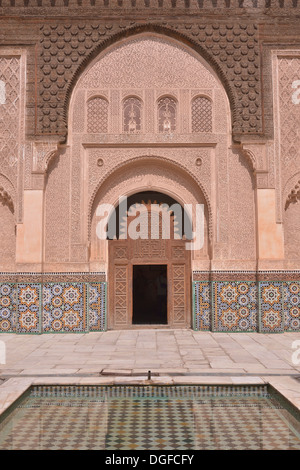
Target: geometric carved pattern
[(235, 306), (121, 252), (149, 249), (10, 109), (120, 294), (97, 116), (202, 306), (288, 71), (201, 114), (64, 307), (291, 305), (179, 294)]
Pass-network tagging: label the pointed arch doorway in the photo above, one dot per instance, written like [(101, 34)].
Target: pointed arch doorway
[(149, 273)]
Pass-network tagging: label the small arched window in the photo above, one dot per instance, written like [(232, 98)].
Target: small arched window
[(167, 110), (201, 114), (97, 116), (132, 115)]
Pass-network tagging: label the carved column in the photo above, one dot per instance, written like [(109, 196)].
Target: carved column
[(270, 243), (30, 233)]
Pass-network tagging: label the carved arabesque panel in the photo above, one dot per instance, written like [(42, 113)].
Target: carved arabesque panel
[(167, 114), (289, 115), (132, 115), (10, 115)]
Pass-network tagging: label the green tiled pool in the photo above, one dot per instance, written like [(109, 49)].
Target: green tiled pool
[(187, 417)]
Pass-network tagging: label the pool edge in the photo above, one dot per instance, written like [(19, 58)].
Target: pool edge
[(14, 389)]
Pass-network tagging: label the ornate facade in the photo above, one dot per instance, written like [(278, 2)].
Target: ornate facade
[(190, 101)]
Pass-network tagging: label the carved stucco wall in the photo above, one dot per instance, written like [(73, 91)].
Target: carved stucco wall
[(287, 141), (12, 123), (148, 66), (12, 79), (291, 220), (57, 210), (241, 227), (151, 173), (151, 67), (7, 224), (7, 237), (292, 232)]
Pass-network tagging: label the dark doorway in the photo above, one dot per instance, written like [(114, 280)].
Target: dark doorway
[(149, 293)]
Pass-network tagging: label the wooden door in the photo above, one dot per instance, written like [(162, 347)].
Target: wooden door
[(124, 254)]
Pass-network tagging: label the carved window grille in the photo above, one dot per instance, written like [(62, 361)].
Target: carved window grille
[(201, 114), (97, 116), (132, 115), (167, 115)]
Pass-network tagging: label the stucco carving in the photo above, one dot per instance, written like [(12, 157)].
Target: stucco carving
[(141, 174), (292, 190), (138, 167), (57, 210), (286, 70), (241, 227), (232, 49), (289, 109)]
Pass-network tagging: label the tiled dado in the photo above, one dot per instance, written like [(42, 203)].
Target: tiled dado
[(251, 304), (33, 307)]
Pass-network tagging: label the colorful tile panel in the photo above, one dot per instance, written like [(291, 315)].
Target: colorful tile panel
[(291, 305), (234, 306), (64, 307), (97, 306), (202, 305), (267, 306), (52, 307), (8, 307), (271, 307), (29, 308)]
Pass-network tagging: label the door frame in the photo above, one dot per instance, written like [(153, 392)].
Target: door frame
[(125, 263), (155, 325)]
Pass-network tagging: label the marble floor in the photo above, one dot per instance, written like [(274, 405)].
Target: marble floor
[(172, 356)]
